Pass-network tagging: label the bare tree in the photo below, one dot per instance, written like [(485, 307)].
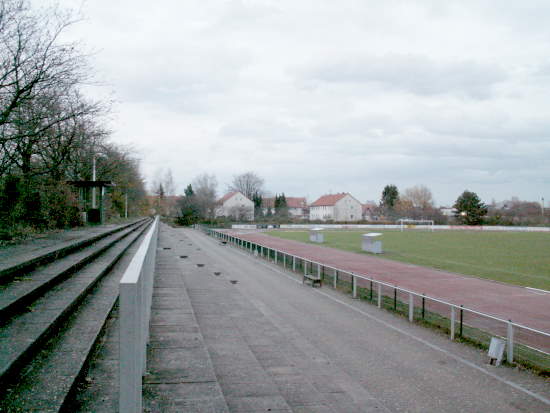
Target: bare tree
[(248, 183), (168, 181), (420, 196), (205, 187)]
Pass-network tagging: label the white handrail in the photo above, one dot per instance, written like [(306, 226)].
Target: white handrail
[(136, 291)]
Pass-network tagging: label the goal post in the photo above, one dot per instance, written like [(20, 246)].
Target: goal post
[(416, 224)]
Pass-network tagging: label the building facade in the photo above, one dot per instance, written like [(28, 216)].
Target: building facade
[(236, 206), (337, 207)]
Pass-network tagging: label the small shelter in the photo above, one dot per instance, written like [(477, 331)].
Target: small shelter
[(370, 244), (92, 212), (316, 235)]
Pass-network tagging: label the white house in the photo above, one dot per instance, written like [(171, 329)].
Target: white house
[(337, 207), (236, 206)]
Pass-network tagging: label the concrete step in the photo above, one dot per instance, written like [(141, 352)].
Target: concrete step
[(25, 333), (21, 291), (59, 368), (16, 263)]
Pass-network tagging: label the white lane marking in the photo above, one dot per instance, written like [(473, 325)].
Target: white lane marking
[(412, 336), (538, 290)]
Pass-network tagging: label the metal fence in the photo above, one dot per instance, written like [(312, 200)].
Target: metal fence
[(525, 345), (136, 290)]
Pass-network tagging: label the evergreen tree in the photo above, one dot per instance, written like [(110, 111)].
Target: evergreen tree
[(469, 209), (390, 196), (188, 191), (189, 208), (257, 199), (281, 208)]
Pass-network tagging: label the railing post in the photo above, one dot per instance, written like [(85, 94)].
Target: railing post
[(370, 290), (293, 263), (461, 319), (452, 322), (275, 257), (354, 286), (423, 305), (335, 278), (305, 266), (284, 261), (379, 295), (319, 270), (510, 352), (411, 307)]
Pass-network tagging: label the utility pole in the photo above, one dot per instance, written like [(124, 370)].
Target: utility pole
[(542, 206), (126, 205)]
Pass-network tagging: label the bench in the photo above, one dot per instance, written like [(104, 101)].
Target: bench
[(314, 278)]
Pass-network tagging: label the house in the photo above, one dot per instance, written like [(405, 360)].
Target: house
[(368, 211), (235, 205), (297, 206), (268, 204), (337, 207), (447, 211)]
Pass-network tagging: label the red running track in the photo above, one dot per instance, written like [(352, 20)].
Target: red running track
[(521, 305)]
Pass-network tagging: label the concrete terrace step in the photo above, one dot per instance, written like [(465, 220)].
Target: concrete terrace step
[(22, 290), (23, 258), (23, 336), (56, 372)]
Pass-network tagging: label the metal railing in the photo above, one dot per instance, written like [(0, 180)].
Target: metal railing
[(457, 320), (136, 290)]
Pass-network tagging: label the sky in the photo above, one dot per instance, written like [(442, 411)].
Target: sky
[(319, 96)]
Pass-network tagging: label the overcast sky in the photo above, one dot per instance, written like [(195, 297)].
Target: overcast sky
[(331, 96)]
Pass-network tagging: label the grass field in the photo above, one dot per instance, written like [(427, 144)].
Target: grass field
[(519, 258)]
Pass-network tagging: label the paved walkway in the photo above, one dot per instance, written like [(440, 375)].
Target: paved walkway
[(521, 305), (242, 328)]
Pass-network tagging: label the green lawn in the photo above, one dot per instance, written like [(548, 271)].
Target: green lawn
[(520, 258)]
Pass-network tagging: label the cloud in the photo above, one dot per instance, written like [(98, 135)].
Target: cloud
[(415, 74), (342, 96)]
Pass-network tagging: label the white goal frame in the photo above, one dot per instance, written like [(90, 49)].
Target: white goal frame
[(406, 223)]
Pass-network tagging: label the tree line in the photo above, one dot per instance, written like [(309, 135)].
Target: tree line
[(468, 209), (50, 132), (198, 204)]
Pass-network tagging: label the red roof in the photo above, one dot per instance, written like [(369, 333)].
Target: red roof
[(268, 202), (368, 207), (296, 202), (291, 202), (226, 197), (328, 200)]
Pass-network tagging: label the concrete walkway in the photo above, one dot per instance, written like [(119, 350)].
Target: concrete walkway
[(240, 328)]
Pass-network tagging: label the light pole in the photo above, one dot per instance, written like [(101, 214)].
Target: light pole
[(93, 179)]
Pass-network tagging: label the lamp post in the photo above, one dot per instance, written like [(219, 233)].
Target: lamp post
[(93, 179)]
